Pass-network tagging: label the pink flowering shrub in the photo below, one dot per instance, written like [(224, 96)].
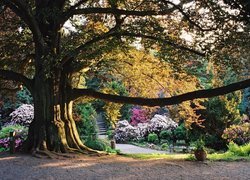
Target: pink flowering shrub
[(5, 143), (138, 116), (20, 135), (23, 115)]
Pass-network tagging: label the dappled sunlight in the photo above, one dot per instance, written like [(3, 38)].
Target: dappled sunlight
[(68, 165), (7, 158)]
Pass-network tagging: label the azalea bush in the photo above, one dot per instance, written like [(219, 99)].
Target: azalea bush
[(23, 115), (126, 132), (240, 134), (138, 116), (19, 122), (20, 136), (5, 144), (159, 123)]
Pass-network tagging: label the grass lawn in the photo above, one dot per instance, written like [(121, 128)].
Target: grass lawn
[(227, 156)]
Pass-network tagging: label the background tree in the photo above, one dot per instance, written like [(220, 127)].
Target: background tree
[(52, 59)]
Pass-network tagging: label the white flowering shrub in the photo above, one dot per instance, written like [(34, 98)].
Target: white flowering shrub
[(23, 115), (125, 132), (159, 123)]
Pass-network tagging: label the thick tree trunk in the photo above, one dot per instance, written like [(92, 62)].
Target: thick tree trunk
[(53, 127)]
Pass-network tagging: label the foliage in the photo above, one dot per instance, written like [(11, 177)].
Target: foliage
[(142, 74), (110, 134), (20, 136), (243, 150), (199, 144), (96, 144), (153, 138), (113, 110), (240, 134), (126, 132), (99, 30), (181, 132), (23, 97), (220, 113), (166, 135), (164, 146), (126, 111), (139, 115), (15, 99), (19, 130), (86, 126), (245, 103), (23, 115)]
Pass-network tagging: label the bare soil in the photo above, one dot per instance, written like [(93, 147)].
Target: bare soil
[(22, 167)]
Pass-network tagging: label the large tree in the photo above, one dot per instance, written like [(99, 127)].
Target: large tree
[(45, 59)]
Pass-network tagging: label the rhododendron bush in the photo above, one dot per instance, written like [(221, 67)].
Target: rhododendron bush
[(20, 136), (126, 132), (240, 134), (23, 115), (19, 122), (138, 116)]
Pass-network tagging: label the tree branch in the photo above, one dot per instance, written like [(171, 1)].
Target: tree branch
[(23, 10), (187, 16), (76, 51), (113, 11), (11, 75), (76, 93), (164, 41)]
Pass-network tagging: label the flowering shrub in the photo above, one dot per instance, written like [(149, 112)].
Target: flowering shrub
[(5, 143), (159, 123), (138, 116), (21, 134), (23, 115), (240, 134), (126, 132)]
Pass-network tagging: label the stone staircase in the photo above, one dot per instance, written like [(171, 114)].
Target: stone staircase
[(102, 126)]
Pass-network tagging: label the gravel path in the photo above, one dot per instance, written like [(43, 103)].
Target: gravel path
[(132, 149), (25, 167)]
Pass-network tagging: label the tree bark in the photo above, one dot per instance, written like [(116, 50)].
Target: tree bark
[(207, 93), (53, 127)]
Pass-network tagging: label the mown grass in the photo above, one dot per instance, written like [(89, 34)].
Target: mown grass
[(227, 156), (234, 153), (159, 156)]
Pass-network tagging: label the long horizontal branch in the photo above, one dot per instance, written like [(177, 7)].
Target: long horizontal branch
[(11, 75), (76, 93)]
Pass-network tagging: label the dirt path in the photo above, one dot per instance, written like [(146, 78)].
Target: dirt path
[(22, 167)]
